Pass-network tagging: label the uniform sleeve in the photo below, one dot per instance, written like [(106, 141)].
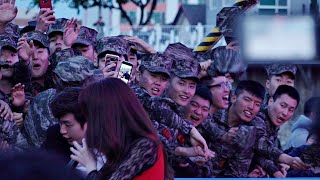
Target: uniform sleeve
[(22, 74), (264, 147), (162, 112), (141, 157), (268, 165), (211, 131)]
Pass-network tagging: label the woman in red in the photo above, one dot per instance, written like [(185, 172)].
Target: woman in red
[(118, 128)]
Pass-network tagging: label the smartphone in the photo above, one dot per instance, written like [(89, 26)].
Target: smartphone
[(110, 58), (45, 4), (125, 71)]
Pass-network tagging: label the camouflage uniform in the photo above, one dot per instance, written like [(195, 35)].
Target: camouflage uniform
[(58, 26), (114, 44), (48, 82), (87, 36), (156, 63), (62, 55), (39, 118), (12, 30), (267, 153), (277, 69), (163, 109)]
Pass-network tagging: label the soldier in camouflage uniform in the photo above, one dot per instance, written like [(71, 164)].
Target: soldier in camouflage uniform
[(278, 74), (153, 76), (281, 108), (181, 88), (69, 73), (86, 43), (55, 34)]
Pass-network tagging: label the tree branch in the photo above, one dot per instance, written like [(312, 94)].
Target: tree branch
[(153, 7), (123, 13)]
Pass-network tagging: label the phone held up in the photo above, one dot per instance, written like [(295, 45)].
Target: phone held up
[(45, 4), (110, 58), (125, 71)]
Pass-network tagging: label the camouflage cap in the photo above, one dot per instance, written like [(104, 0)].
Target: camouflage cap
[(276, 69), (157, 63), (62, 55), (58, 26), (30, 27), (8, 41), (115, 44), (76, 69), (87, 36), (184, 63), (38, 36), (225, 61)]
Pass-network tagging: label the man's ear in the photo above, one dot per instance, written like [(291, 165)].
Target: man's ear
[(270, 101), (268, 84), (138, 76)]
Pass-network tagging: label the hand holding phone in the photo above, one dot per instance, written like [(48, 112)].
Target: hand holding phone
[(110, 58), (125, 71), (45, 4)]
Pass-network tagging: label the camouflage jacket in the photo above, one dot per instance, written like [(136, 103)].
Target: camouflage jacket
[(10, 133), (173, 138), (36, 88), (234, 159), (165, 111), (39, 118), (141, 93), (267, 152)]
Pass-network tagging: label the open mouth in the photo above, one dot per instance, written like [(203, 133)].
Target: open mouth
[(248, 114), (36, 66), (155, 90), (58, 49), (280, 120), (184, 98), (194, 118)]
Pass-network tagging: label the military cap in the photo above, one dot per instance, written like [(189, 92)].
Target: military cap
[(38, 36), (75, 69), (87, 36), (276, 69), (30, 27), (114, 44), (184, 63), (12, 30), (8, 41), (157, 63), (58, 26), (225, 61), (62, 55)]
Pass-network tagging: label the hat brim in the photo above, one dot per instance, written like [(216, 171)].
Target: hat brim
[(157, 70)]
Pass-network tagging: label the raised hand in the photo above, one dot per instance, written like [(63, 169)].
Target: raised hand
[(8, 11), (44, 19), (17, 95), (71, 32)]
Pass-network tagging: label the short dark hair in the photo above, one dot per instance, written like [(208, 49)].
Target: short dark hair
[(310, 105), (204, 92), (67, 102), (289, 90), (252, 87)]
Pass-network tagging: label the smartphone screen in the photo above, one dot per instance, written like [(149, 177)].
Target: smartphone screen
[(125, 71), (110, 58), (45, 4)]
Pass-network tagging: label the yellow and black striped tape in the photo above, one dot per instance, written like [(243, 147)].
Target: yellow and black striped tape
[(215, 35)]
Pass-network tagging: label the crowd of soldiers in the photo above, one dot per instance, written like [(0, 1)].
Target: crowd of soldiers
[(211, 121)]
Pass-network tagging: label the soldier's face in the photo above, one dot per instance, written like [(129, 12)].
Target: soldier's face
[(154, 83), (88, 52), (220, 92), (282, 109), (10, 57), (40, 62), (56, 42), (277, 80), (71, 129), (181, 90), (245, 106), (197, 110)]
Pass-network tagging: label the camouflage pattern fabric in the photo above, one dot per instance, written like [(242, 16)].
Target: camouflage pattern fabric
[(185, 65), (75, 69), (39, 118), (141, 93), (165, 111), (6, 40), (112, 43), (12, 30), (87, 36), (157, 63), (276, 69), (38, 36), (63, 55), (58, 26), (225, 61)]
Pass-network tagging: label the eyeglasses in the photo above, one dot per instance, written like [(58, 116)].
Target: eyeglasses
[(222, 84)]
